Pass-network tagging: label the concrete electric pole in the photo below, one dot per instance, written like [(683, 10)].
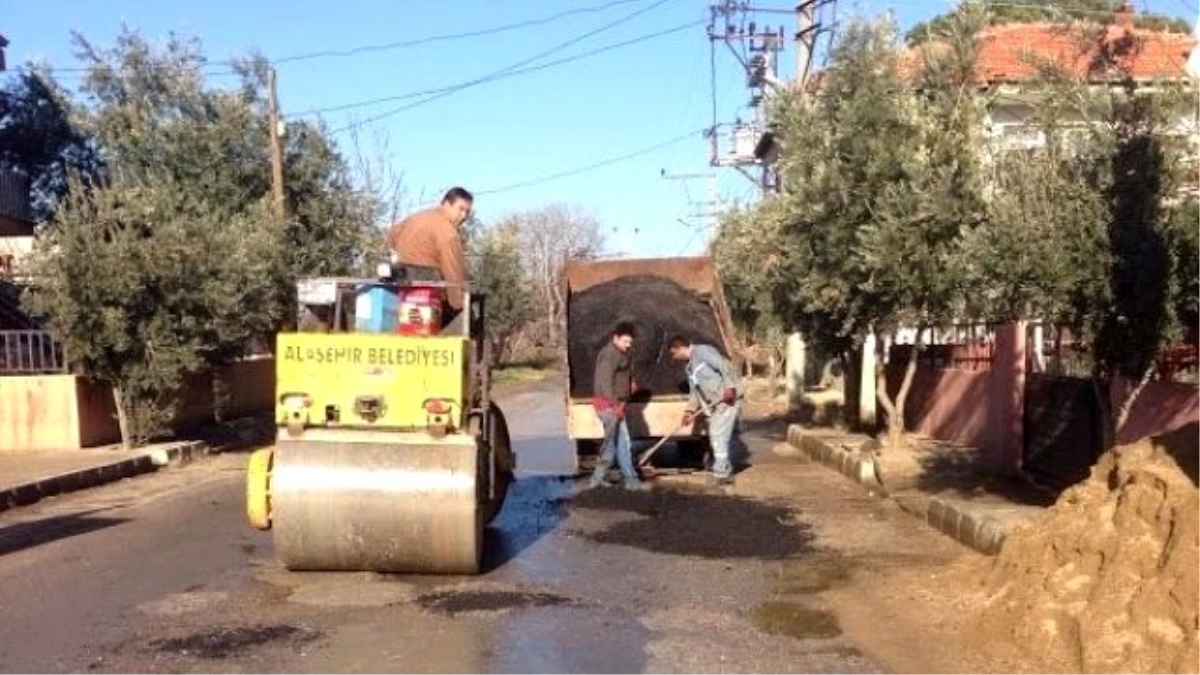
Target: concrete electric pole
[(805, 39), (276, 132)]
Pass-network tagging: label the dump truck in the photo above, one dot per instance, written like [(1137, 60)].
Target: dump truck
[(390, 454), (661, 297)]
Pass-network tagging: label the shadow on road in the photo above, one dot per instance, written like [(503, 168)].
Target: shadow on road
[(534, 506), (22, 536), (698, 524)]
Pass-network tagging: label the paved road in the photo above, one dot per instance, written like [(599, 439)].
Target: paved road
[(161, 573)]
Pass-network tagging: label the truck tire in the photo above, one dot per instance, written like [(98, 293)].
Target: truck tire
[(587, 446), (693, 452), (587, 452)]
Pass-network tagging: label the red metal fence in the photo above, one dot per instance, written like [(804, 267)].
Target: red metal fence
[(960, 347)]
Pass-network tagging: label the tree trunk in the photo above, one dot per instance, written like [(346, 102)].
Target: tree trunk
[(220, 394), (895, 410), (122, 418), (851, 387), (1101, 388), (1122, 413)]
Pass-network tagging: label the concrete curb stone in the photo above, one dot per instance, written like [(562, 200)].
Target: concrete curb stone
[(857, 466), (976, 530)]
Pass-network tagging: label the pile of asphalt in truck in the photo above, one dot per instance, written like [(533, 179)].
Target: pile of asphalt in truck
[(659, 309)]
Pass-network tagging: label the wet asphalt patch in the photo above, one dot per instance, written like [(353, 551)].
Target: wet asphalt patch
[(820, 571), (698, 524), (221, 643), (476, 600), (795, 620)]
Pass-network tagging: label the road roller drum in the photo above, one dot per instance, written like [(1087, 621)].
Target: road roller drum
[(377, 506)]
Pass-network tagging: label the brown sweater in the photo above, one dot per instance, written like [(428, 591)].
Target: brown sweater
[(429, 239)]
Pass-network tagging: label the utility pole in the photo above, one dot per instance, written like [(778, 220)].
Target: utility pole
[(710, 212), (805, 34), (276, 132), (713, 214)]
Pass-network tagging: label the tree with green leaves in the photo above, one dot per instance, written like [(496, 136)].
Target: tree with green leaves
[(912, 250), (496, 271), (170, 262), (39, 138), (1052, 11), (1091, 232), (852, 156), (883, 181), (843, 148), (747, 258), (144, 283)]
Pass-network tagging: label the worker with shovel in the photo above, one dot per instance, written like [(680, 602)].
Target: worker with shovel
[(715, 388), (613, 385)]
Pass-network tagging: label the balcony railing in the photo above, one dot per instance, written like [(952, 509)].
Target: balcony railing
[(30, 352)]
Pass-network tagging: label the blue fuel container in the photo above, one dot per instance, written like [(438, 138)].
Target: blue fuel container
[(375, 309)]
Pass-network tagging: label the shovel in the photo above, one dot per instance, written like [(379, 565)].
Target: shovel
[(705, 410)]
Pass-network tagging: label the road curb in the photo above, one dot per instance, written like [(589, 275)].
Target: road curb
[(975, 530), (147, 461), (100, 474), (858, 467)]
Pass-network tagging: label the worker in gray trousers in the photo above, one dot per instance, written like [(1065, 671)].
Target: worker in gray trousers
[(714, 385)]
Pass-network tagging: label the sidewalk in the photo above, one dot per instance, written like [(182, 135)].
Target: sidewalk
[(26, 477), (953, 489)]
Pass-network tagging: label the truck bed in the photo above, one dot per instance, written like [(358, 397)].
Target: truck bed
[(696, 310)]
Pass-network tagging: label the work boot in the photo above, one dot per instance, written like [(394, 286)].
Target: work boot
[(635, 485), (719, 482)]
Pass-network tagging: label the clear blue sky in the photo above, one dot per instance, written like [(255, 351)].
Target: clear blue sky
[(499, 133)]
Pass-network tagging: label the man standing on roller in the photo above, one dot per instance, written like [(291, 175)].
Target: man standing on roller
[(714, 386), (431, 238), (613, 383)]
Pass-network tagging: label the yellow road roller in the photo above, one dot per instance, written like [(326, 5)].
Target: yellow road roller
[(390, 454)]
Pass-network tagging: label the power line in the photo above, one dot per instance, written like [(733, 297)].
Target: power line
[(484, 79), (405, 44), (590, 167), (456, 36), (691, 240)]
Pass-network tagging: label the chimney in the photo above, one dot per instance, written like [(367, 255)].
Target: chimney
[(1123, 17)]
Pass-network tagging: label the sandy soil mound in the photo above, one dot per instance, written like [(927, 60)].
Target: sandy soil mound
[(1107, 581)]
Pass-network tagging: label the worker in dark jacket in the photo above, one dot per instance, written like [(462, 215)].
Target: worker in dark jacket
[(613, 384)]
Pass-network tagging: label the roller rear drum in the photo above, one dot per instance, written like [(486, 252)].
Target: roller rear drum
[(385, 507)]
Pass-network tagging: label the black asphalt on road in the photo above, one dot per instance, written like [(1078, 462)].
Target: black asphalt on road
[(161, 573)]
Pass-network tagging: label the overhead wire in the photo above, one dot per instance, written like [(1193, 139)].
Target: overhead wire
[(590, 167), (506, 71), (491, 77), (405, 44), (455, 36)]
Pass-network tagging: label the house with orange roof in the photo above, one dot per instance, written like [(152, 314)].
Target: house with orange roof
[(1013, 56)]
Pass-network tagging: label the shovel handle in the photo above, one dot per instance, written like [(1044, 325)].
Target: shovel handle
[(654, 448)]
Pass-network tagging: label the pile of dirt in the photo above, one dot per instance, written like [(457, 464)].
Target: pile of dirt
[(659, 308), (1107, 581)]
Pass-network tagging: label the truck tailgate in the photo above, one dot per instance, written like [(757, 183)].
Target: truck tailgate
[(652, 419)]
